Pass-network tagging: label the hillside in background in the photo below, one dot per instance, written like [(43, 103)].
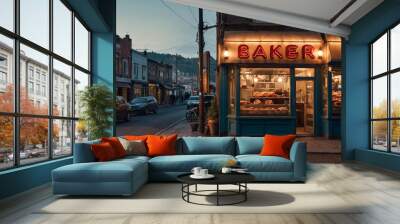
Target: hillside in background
[(186, 65)]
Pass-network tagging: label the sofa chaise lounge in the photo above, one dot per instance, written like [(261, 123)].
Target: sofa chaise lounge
[(125, 176)]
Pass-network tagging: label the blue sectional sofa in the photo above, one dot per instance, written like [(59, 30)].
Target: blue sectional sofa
[(125, 176)]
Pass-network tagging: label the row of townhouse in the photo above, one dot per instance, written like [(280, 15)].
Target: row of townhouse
[(137, 75)]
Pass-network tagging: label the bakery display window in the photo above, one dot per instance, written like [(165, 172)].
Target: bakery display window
[(336, 93), (265, 91), (325, 97), (231, 91)]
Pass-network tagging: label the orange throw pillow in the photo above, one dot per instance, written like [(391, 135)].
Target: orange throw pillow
[(161, 145), (116, 145), (103, 152), (276, 145), (136, 137)]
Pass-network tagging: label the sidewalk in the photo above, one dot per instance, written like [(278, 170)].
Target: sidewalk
[(181, 128)]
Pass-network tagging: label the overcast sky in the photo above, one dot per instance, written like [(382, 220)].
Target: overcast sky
[(163, 26)]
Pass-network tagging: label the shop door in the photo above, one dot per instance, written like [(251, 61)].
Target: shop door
[(305, 115)]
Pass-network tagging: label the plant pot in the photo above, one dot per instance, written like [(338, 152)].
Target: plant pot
[(213, 127), (194, 126)]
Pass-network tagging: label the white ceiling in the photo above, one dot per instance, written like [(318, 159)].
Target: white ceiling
[(314, 15), (324, 9)]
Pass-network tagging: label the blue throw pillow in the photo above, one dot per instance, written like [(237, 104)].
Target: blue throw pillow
[(249, 145)]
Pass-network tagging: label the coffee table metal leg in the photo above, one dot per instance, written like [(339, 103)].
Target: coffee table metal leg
[(217, 194), (242, 191), (188, 189), (245, 193)]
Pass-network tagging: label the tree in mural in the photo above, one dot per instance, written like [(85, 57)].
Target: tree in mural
[(33, 131)]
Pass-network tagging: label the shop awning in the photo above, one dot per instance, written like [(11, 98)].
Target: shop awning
[(323, 16)]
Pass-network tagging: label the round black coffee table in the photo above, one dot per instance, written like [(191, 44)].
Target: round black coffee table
[(238, 179)]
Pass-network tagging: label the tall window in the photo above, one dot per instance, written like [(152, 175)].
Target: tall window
[(385, 95), (125, 67), (40, 123), (144, 72), (136, 70)]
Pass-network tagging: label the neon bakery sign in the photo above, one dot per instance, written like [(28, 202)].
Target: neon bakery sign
[(234, 52)]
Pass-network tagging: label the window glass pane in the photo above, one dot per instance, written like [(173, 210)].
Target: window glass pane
[(395, 95), (325, 95), (81, 132), (265, 91), (379, 98), (81, 82), (35, 21), (62, 89), (6, 142), (6, 74), (231, 91), (34, 72), (336, 93), (33, 139), (62, 28), (379, 56), (395, 47), (379, 135), (395, 136), (62, 138), (304, 72), (7, 14), (81, 45)]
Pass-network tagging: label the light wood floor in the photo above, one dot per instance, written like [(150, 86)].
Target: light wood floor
[(379, 190)]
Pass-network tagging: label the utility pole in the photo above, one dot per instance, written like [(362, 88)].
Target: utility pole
[(201, 88), (176, 68)]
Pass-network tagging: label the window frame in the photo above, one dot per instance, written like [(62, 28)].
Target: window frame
[(144, 72), (16, 115), (388, 74)]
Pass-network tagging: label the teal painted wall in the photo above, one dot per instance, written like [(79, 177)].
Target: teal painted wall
[(24, 178), (100, 16), (378, 159), (355, 119), (103, 63)]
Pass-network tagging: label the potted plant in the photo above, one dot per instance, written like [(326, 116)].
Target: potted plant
[(212, 118), (97, 106)]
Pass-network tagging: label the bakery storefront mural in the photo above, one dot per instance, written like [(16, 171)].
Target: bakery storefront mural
[(279, 83)]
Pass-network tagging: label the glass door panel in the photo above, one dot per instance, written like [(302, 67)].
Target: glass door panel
[(305, 107)]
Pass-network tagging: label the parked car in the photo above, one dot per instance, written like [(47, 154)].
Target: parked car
[(122, 109), (194, 101), (24, 154), (143, 105)]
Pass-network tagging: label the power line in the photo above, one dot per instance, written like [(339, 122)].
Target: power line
[(175, 13), (190, 9)]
